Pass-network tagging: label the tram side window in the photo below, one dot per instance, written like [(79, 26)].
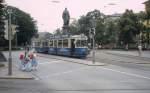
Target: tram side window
[(55, 43), (65, 43), (83, 43), (80, 43), (37, 44), (59, 43), (40, 44), (45, 44), (51, 43)]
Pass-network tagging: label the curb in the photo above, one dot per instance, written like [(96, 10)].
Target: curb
[(21, 78)]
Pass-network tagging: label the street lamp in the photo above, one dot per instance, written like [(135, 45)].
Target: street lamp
[(9, 37), (16, 38), (92, 34), (140, 41), (140, 45)]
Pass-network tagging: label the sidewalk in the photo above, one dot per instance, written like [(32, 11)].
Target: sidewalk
[(16, 73), (73, 60), (144, 55)]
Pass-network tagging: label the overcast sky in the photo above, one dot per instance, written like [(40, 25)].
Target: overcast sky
[(49, 14)]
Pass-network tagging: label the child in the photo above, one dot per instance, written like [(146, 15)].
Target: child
[(33, 61), (22, 62)]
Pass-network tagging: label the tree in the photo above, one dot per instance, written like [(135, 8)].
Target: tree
[(100, 33), (141, 20), (111, 31), (2, 8), (98, 18), (148, 19), (74, 27), (128, 25), (26, 26), (58, 31), (83, 25), (1, 17), (92, 19)]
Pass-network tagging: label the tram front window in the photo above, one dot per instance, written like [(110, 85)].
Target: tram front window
[(81, 43)]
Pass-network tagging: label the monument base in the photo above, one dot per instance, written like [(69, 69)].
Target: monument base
[(65, 29)]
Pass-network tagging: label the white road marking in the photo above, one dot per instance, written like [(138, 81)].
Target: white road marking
[(62, 73), (129, 74), (51, 62)]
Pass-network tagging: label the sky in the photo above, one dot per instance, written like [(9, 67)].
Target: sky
[(48, 13)]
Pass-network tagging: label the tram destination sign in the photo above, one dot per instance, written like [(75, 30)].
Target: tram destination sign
[(58, 36)]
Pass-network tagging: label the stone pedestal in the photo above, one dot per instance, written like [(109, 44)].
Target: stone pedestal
[(65, 29)]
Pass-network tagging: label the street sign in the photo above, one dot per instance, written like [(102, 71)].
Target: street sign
[(13, 29)]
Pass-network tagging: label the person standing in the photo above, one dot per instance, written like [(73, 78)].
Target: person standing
[(34, 62)]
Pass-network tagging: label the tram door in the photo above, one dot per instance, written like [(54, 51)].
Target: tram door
[(72, 46)]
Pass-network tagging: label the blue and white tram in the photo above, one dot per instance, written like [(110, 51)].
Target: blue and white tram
[(65, 45)]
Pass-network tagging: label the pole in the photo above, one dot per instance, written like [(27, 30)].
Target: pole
[(140, 46), (93, 50), (93, 35), (16, 40), (9, 36)]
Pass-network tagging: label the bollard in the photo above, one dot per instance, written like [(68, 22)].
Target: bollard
[(140, 50)]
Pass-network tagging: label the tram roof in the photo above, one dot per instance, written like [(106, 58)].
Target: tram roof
[(68, 36)]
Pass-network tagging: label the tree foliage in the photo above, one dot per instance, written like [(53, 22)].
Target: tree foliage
[(128, 25), (58, 31), (2, 7), (108, 30), (26, 26)]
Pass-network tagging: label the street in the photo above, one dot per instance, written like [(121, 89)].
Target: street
[(74, 46), (56, 74)]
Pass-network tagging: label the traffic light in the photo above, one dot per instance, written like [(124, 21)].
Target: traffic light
[(93, 31), (6, 29)]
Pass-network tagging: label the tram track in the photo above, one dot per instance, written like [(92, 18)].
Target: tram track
[(73, 60), (130, 56), (117, 60)]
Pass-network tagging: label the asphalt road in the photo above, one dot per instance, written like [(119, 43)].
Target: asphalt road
[(125, 61), (58, 76)]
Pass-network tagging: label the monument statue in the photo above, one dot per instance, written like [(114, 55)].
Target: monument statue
[(66, 18)]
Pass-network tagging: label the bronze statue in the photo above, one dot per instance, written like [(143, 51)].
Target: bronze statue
[(66, 17)]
